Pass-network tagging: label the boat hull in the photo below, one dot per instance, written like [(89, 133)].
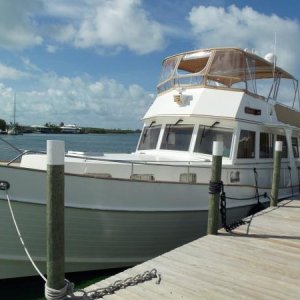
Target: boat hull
[(108, 223), (96, 239)]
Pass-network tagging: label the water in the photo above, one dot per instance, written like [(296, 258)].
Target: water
[(113, 143), (32, 288)]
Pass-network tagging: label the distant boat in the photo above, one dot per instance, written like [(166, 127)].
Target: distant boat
[(13, 130)]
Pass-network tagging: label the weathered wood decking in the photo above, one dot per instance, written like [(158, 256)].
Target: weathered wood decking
[(257, 261)]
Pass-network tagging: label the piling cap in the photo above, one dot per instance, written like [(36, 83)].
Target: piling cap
[(55, 152), (278, 146), (217, 148)]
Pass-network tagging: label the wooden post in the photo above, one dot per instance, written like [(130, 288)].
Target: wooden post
[(55, 215), (216, 169), (276, 173)]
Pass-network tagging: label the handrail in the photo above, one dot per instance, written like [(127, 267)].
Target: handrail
[(20, 151), (23, 153)]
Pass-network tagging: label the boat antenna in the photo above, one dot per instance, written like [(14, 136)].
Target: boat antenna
[(274, 50)]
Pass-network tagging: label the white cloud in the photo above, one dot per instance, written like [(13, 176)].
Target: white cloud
[(112, 24), (101, 103), (247, 28), (17, 28), (10, 73), (51, 48)]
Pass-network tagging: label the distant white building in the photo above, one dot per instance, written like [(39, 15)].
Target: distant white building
[(72, 128)]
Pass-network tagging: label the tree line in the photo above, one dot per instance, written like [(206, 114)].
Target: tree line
[(53, 128)]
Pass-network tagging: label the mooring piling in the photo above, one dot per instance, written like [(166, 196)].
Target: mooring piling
[(216, 170), (276, 173), (55, 214)]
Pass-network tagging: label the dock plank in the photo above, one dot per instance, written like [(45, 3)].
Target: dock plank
[(257, 260)]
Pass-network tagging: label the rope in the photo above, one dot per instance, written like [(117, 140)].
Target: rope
[(50, 294), (68, 288), (21, 239), (215, 187), (53, 294)]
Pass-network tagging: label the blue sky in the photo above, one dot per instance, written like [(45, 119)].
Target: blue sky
[(96, 62)]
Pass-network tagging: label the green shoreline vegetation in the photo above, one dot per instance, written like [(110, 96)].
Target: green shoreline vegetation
[(52, 128)]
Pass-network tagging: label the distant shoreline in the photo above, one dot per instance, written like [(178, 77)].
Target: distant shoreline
[(83, 130)]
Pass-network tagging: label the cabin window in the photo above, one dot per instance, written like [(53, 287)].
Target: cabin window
[(206, 136), (266, 145), (246, 148), (149, 137), (282, 139), (177, 137), (295, 147)]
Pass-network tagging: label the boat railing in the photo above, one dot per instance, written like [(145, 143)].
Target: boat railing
[(181, 81), (20, 152), (24, 153)]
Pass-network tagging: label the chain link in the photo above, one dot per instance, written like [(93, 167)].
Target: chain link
[(121, 284)]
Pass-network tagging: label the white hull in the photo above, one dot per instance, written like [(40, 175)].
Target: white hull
[(144, 220)]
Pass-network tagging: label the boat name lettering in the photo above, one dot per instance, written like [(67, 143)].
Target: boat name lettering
[(252, 111)]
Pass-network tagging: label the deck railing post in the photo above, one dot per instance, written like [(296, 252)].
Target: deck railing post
[(276, 173), (55, 215), (213, 207)]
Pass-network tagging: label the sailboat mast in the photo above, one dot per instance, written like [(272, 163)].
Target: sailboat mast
[(14, 109)]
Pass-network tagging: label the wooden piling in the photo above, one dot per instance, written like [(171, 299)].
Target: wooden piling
[(213, 210), (55, 215), (276, 173)]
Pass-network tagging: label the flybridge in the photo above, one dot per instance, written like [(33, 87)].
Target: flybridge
[(230, 68)]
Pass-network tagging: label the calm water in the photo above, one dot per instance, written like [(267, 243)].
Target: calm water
[(115, 143), (33, 287)]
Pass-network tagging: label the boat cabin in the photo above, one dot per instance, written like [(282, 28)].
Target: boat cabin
[(228, 95)]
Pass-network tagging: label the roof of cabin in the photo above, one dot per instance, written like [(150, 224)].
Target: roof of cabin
[(232, 64)]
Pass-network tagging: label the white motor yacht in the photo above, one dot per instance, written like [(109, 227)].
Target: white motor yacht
[(122, 209)]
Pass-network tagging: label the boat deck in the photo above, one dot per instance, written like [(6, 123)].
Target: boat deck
[(260, 260)]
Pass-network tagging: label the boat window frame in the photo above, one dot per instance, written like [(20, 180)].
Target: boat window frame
[(227, 151), (156, 126), (271, 149), (295, 148), (285, 148), (252, 157), (168, 130)]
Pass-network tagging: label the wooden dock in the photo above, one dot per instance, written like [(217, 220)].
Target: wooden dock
[(260, 260)]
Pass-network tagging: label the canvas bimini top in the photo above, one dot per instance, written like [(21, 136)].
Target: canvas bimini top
[(230, 68)]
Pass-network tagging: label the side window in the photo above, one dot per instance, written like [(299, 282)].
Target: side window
[(266, 145), (282, 139), (295, 147), (246, 148), (206, 137)]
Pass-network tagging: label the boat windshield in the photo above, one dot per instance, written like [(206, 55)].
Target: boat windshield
[(207, 135), (149, 137), (189, 70), (168, 68), (177, 137)]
